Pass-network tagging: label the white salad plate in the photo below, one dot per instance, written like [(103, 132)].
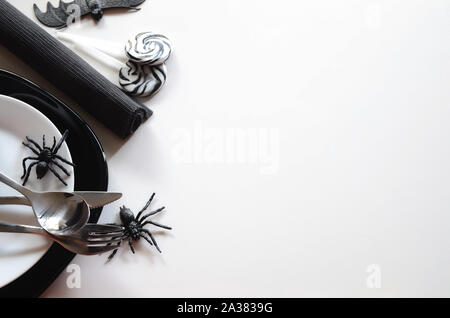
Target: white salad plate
[(19, 252)]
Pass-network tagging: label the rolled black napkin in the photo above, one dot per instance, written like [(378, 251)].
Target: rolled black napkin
[(69, 72)]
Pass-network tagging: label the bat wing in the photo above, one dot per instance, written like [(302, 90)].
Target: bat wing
[(120, 3), (57, 16)]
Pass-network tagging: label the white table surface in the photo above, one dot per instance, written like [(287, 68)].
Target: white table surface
[(341, 165)]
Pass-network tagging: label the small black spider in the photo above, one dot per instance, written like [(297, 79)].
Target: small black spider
[(134, 226), (46, 158)]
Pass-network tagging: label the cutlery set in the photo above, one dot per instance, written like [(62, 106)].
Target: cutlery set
[(63, 218)]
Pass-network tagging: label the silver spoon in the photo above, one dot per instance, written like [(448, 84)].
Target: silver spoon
[(59, 213)]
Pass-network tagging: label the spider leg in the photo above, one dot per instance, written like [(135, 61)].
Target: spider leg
[(130, 242), (43, 141), (63, 160), (32, 149), (157, 224), (152, 238), (60, 142), (151, 213), (145, 207), (57, 175), (24, 167), (110, 257), (27, 175), (54, 143), (115, 251), (34, 143), (61, 167), (146, 238)]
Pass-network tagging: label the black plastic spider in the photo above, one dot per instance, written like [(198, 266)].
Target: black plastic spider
[(134, 226), (46, 159)]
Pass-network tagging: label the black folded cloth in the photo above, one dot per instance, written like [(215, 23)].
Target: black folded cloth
[(69, 73)]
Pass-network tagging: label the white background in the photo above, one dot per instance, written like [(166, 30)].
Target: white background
[(351, 100)]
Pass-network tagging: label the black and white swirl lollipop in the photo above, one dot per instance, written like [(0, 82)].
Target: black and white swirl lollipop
[(148, 48), (135, 78), (142, 80)]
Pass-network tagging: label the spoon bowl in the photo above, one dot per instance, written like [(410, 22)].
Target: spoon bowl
[(59, 213)]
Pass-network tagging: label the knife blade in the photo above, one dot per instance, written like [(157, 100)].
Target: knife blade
[(96, 199)]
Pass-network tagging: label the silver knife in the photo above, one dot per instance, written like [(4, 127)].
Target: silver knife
[(94, 199)]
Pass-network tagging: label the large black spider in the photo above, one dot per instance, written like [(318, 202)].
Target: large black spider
[(134, 226), (46, 159)]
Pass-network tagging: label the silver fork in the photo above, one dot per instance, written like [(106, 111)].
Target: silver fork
[(89, 240)]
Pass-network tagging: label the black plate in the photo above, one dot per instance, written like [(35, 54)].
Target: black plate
[(91, 174)]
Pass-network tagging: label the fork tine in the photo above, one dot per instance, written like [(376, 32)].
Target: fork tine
[(99, 234), (103, 228), (99, 240), (91, 250), (96, 234), (105, 231)]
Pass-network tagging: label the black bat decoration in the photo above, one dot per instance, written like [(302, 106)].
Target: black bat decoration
[(59, 17)]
